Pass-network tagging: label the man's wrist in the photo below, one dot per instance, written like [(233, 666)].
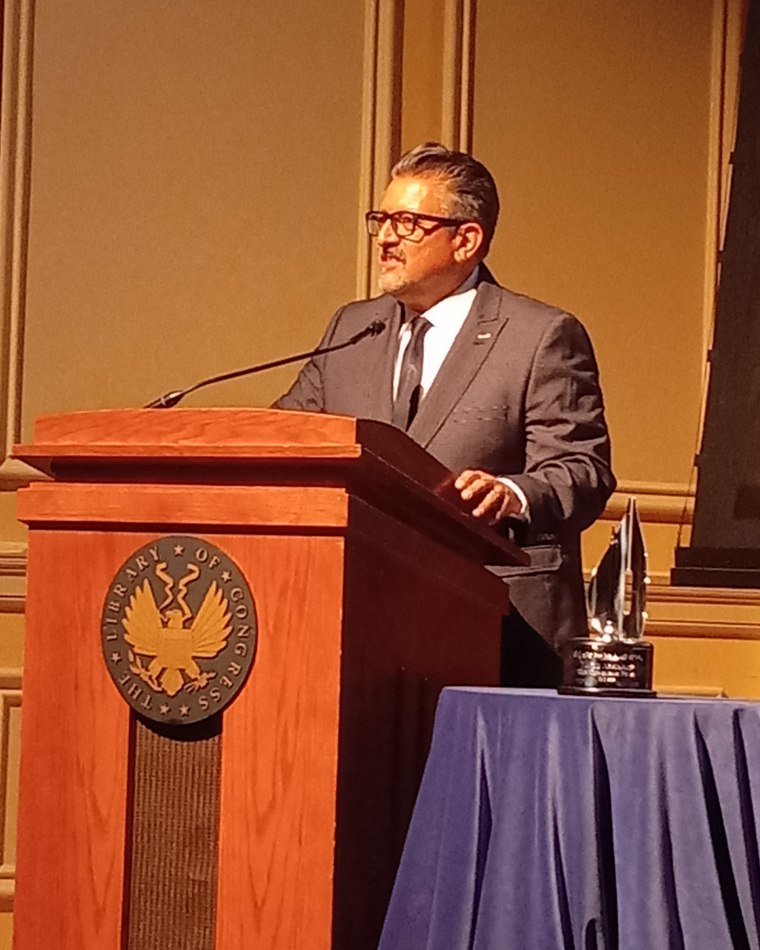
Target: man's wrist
[(524, 513)]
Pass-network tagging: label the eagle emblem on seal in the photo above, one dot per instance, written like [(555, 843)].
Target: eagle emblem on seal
[(173, 639), (179, 630)]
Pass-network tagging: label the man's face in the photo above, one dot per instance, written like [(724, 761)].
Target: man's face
[(421, 269)]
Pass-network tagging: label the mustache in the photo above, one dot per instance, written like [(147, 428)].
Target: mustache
[(387, 254)]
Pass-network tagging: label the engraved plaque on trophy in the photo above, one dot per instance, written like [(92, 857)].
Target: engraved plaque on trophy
[(614, 659)]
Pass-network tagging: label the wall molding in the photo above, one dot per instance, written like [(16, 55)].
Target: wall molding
[(15, 165), (704, 600), (457, 73), (381, 121), (661, 591), (658, 502), (10, 705), (13, 563), (703, 629)]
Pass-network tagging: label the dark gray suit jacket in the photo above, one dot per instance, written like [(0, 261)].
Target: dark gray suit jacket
[(518, 395)]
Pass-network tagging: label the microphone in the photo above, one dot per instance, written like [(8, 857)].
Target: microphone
[(168, 400)]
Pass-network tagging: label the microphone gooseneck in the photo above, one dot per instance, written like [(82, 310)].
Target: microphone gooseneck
[(171, 399)]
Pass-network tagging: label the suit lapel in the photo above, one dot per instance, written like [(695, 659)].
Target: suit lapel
[(472, 345)]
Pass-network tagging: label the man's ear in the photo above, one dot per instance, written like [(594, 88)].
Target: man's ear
[(468, 241)]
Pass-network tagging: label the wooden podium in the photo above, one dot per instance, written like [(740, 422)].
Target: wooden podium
[(278, 823)]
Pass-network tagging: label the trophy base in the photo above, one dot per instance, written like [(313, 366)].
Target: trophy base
[(595, 667)]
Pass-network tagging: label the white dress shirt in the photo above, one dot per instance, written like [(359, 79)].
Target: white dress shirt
[(447, 319)]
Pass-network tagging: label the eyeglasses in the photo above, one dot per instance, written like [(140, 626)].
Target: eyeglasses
[(407, 223)]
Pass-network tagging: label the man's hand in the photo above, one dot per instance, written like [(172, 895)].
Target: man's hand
[(494, 500)]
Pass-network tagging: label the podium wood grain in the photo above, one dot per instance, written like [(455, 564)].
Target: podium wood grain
[(280, 752), (72, 807), (370, 595)]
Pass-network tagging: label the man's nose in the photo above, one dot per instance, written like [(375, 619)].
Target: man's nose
[(386, 236)]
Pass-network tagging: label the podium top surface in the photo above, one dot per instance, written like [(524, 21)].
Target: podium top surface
[(370, 459), (163, 432)]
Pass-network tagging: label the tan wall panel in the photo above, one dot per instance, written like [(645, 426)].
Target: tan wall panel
[(195, 193), (11, 630), (10, 529), (722, 667), (595, 117), (422, 72)]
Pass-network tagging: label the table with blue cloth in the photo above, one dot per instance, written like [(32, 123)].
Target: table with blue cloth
[(547, 821)]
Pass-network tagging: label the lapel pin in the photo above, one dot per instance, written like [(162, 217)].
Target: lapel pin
[(483, 336)]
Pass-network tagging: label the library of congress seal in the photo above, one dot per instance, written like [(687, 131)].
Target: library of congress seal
[(179, 630)]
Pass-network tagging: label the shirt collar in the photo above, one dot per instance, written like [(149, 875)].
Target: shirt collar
[(436, 312), (456, 305)]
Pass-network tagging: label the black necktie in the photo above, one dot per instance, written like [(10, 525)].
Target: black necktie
[(410, 376)]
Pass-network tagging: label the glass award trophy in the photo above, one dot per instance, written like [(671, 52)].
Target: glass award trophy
[(614, 659)]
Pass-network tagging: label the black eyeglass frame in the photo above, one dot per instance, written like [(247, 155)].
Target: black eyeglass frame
[(375, 220)]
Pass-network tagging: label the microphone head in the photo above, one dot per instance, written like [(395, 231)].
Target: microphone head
[(376, 327), (167, 400)]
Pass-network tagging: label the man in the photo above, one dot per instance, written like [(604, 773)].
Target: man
[(502, 389)]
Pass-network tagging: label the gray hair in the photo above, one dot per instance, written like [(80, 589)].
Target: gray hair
[(470, 185)]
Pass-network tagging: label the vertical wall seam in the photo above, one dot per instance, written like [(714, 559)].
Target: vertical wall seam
[(468, 77), (381, 120), (367, 147), (15, 171), (451, 68), (457, 73)]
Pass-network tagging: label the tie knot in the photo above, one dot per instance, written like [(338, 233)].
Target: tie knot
[(419, 325)]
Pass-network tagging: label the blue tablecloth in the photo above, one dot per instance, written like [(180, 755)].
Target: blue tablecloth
[(548, 821)]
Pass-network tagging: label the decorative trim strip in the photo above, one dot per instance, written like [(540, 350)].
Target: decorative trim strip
[(705, 692), (10, 678), (658, 502), (13, 559), (661, 592), (703, 629), (381, 121), (669, 489), (10, 700), (458, 73), (15, 159)]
